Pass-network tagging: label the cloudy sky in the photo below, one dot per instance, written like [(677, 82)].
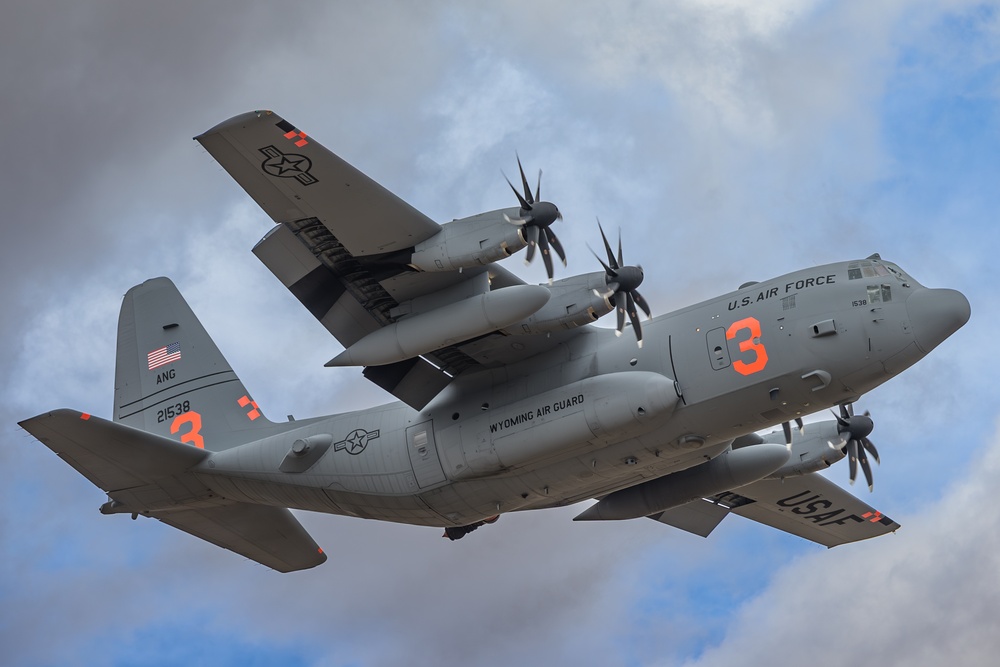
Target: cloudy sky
[(729, 140)]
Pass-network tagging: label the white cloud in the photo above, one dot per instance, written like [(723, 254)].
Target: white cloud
[(925, 596)]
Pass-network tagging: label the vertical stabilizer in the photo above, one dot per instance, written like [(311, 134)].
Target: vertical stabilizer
[(172, 380)]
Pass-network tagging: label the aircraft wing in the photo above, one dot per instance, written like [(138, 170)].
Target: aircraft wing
[(342, 246), (809, 506), (150, 474), (292, 177)]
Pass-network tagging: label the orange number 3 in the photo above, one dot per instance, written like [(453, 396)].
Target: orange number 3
[(751, 344), (193, 436)]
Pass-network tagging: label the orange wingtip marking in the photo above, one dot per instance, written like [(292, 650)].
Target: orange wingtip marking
[(84, 416), (301, 142), (289, 135), (319, 549)]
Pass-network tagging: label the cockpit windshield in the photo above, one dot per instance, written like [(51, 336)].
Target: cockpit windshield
[(877, 274), (876, 269)]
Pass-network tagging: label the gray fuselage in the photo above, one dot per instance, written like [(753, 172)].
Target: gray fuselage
[(597, 414)]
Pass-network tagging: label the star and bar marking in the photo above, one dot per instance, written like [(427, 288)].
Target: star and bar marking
[(287, 165), (356, 441)]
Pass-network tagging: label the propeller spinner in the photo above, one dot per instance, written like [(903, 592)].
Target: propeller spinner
[(856, 429), (622, 282), (536, 216)]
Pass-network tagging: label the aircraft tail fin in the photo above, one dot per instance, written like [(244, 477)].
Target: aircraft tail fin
[(172, 380)]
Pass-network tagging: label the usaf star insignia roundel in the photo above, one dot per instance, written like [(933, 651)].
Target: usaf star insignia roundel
[(356, 441), (287, 165)]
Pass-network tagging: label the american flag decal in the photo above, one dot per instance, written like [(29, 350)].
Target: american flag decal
[(164, 355)]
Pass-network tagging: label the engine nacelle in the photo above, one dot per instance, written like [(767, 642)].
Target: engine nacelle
[(811, 450), (575, 301), (468, 242)]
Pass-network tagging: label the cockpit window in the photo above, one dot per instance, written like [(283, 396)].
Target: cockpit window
[(865, 269), (879, 293)]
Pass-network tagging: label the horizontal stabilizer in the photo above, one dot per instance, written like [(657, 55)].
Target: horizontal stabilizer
[(809, 506), (151, 475), (269, 535), (111, 455)]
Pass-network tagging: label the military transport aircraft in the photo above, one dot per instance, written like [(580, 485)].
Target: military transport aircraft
[(508, 399)]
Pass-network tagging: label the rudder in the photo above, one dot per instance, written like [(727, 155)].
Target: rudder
[(170, 377)]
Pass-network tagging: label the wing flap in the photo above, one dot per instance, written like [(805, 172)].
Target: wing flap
[(271, 536), (698, 517)]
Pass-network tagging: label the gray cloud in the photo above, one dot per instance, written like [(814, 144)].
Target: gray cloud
[(729, 141)]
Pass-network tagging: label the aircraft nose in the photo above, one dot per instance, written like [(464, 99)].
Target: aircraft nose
[(936, 314)]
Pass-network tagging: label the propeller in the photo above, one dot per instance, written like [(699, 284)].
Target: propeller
[(787, 428), (622, 282), (856, 429), (536, 216)]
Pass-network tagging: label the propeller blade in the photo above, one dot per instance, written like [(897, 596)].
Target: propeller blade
[(787, 428), (866, 468), (607, 246), (634, 316), (525, 206), (554, 242), (543, 243), (538, 189), (532, 242), (524, 181), (611, 273), (642, 304), (621, 261), (870, 446), (852, 454), (620, 307)]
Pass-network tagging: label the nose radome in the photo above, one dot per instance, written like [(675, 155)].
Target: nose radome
[(936, 314)]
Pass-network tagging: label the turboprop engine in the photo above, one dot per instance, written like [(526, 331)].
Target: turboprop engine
[(468, 242), (575, 301)]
